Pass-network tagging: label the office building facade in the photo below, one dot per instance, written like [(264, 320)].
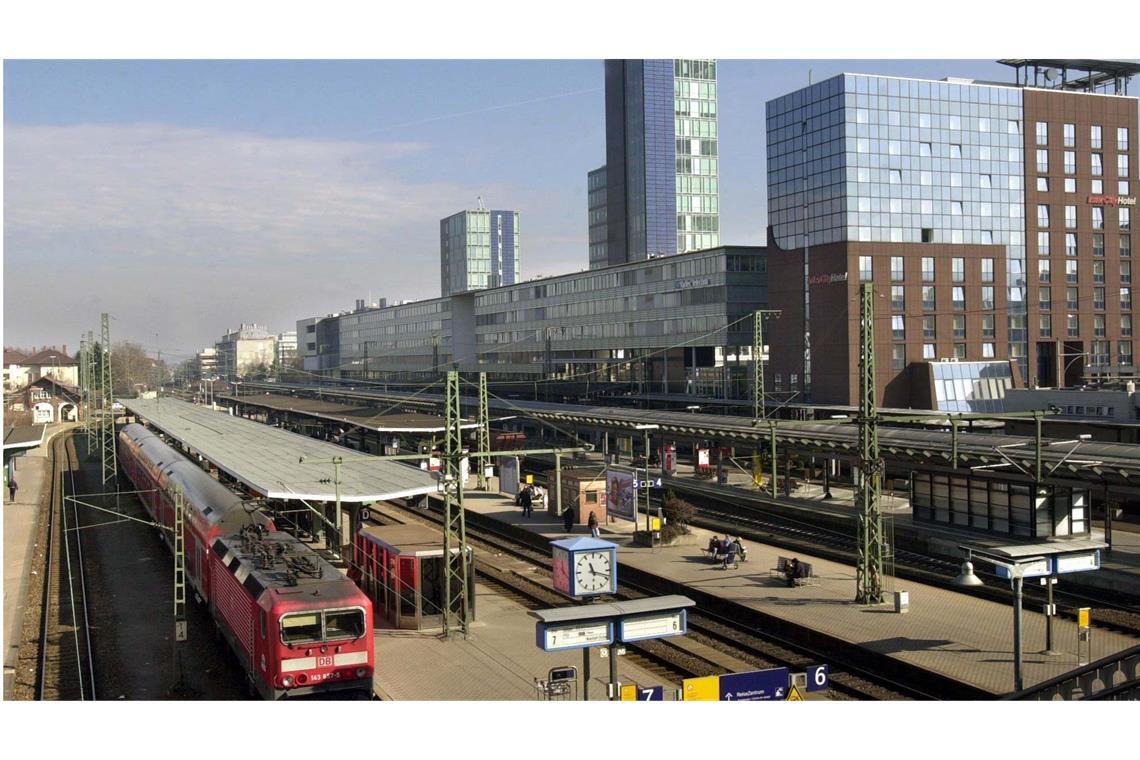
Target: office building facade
[(478, 249), (597, 215), (681, 324), (661, 180), (937, 192)]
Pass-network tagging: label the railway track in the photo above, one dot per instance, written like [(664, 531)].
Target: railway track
[(66, 659), (717, 642)]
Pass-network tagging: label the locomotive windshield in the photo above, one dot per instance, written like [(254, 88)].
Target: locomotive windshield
[(301, 628), (344, 624), (326, 625)]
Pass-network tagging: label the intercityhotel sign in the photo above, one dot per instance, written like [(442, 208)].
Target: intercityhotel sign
[(827, 279), (1112, 200)]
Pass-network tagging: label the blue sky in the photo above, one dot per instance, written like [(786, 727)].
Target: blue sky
[(189, 196)]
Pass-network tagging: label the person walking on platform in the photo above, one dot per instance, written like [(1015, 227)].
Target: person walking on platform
[(568, 519), (12, 489), (527, 502), (593, 523)]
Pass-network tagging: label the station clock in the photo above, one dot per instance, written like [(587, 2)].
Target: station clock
[(584, 567)]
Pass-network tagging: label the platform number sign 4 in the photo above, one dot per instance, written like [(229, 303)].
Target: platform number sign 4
[(817, 678)]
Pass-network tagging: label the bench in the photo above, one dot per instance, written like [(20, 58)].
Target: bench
[(808, 578), (807, 573)]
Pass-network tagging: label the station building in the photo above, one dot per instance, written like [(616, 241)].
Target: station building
[(680, 324), (995, 221)]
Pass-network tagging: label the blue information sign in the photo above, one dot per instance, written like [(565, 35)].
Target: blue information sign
[(754, 686), (817, 678), (650, 694)]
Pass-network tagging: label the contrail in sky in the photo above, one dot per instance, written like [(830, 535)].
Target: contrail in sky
[(482, 110)]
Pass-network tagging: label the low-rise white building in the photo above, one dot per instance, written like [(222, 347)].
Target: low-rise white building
[(286, 347), (242, 351)]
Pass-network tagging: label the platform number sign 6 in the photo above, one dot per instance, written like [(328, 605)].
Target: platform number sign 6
[(817, 678)]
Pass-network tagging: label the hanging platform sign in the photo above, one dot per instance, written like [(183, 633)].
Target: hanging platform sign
[(556, 637)]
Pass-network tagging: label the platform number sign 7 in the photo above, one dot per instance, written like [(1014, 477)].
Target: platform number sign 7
[(651, 694), (817, 678)]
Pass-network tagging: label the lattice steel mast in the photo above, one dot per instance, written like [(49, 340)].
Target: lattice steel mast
[(84, 410), (454, 525), (107, 412), (759, 410), (89, 361), (869, 569), (484, 439)]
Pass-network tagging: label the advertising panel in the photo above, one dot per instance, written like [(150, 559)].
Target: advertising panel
[(619, 494), (509, 475)]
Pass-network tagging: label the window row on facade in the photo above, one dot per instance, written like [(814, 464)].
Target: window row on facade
[(1069, 136)]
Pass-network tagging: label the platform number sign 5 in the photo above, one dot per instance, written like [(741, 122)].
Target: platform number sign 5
[(817, 678)]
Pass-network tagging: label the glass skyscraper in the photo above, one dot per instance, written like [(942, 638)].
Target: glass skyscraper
[(478, 249), (661, 175), (894, 160), (993, 221)]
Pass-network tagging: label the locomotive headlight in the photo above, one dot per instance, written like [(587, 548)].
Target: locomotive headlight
[(360, 672), (287, 681)]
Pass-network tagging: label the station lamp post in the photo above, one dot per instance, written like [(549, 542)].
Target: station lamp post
[(1016, 570)]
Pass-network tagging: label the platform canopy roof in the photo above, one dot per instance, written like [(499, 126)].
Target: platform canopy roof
[(620, 609), (349, 414), (23, 436), (276, 463)]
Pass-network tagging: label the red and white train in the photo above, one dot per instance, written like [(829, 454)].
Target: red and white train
[(296, 623)]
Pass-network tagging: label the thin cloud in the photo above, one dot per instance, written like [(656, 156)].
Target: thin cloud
[(189, 231), (487, 109)]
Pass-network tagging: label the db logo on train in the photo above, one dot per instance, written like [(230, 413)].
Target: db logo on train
[(324, 662)]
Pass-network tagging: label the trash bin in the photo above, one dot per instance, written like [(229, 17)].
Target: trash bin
[(902, 601)]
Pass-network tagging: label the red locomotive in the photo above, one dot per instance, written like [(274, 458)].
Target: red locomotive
[(296, 623)]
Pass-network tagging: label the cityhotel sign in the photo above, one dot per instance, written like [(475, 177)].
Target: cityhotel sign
[(1112, 200), (827, 279)]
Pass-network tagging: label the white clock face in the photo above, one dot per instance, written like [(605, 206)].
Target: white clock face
[(592, 572)]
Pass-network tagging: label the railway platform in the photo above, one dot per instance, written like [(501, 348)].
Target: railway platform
[(945, 632), (498, 661), (20, 522), (1120, 566)]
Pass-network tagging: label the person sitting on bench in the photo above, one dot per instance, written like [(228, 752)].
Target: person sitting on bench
[(714, 547), (792, 571), (737, 548)]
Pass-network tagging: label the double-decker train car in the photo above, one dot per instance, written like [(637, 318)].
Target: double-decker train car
[(211, 509), (296, 623)]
